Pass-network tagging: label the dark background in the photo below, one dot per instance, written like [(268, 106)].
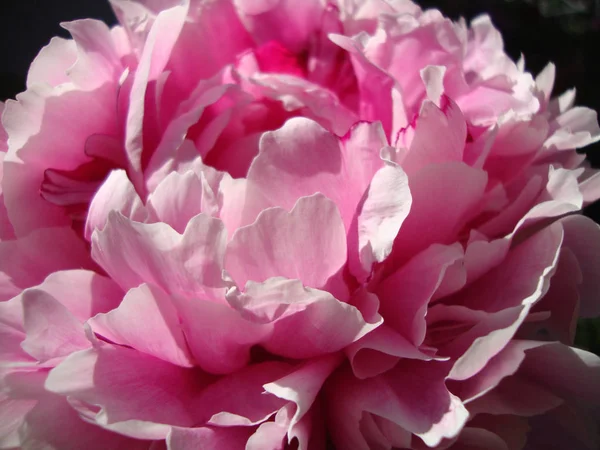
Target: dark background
[(566, 32)]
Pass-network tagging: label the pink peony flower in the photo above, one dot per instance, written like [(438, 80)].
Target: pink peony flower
[(259, 224)]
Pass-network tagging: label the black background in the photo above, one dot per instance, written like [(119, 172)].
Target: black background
[(543, 30)]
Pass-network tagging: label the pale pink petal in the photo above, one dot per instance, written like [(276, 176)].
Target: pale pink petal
[(116, 194), (52, 331), (52, 62), (147, 321), (134, 253), (386, 205), (12, 413), (98, 61), (308, 243), (300, 317), (127, 385), (208, 438), (268, 436), (177, 199), (84, 293)]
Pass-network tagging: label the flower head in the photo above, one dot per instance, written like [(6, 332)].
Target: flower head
[(270, 224)]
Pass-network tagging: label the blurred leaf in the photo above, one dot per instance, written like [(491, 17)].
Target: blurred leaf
[(587, 336)]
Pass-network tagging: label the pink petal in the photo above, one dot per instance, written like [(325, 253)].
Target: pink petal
[(134, 253), (308, 243), (25, 262), (115, 194), (438, 211), (439, 136), (522, 278), (129, 385), (300, 318), (561, 303), (573, 375), (412, 395), (239, 398), (380, 350), (157, 48), (302, 158), (53, 423), (377, 91), (147, 321), (303, 385), (472, 438), (32, 123), (581, 237), (405, 295), (260, 19), (504, 364), (219, 337)]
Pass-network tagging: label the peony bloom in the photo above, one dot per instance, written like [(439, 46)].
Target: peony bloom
[(256, 224)]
